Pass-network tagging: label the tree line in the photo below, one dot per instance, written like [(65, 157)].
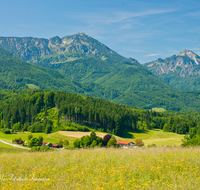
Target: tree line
[(20, 113)]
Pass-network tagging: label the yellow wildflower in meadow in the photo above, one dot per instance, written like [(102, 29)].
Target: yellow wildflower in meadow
[(153, 168)]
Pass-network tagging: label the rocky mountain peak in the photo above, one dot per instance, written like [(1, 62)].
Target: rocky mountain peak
[(188, 53)]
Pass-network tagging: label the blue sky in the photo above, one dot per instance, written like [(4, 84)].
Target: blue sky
[(142, 29)]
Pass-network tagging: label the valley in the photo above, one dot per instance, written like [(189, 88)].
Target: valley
[(61, 91)]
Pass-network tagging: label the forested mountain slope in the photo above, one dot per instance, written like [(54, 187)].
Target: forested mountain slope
[(16, 73), (97, 71), (181, 70)]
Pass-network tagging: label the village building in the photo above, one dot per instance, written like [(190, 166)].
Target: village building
[(55, 145), (46, 144), (125, 144)]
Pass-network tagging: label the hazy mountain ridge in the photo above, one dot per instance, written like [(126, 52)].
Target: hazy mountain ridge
[(181, 70), (58, 50)]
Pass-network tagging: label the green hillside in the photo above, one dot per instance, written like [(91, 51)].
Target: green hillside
[(17, 74)]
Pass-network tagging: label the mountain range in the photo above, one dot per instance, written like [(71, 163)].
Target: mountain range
[(81, 64), (181, 71)]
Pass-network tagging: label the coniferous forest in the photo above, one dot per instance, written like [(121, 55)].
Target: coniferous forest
[(31, 110)]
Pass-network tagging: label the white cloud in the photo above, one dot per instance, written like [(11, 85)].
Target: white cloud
[(151, 55)]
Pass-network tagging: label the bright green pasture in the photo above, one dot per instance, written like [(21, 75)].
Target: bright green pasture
[(52, 138), (32, 86), (158, 109), (149, 137), (157, 137), (5, 148)]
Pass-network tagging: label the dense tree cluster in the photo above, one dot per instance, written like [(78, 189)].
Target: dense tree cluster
[(88, 141), (20, 113)]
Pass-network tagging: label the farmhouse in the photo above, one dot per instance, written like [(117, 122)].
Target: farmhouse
[(46, 144), (125, 144), (55, 145)]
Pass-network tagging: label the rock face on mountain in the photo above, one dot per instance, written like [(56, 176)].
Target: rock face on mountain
[(57, 50), (181, 70)]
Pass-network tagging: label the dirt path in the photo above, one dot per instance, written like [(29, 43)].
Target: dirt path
[(18, 146)]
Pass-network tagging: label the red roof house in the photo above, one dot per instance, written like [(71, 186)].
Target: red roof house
[(125, 144), (46, 144)]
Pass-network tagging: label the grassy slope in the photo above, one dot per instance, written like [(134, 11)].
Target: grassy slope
[(155, 136), (159, 138), (5, 148), (155, 168), (16, 74), (53, 137)]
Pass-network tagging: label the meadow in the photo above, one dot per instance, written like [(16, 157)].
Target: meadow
[(52, 137), (155, 136), (138, 168), (4, 148)]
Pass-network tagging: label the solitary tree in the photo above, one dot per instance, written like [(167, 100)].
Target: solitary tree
[(106, 138), (40, 139), (93, 135)]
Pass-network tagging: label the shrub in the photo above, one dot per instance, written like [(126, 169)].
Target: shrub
[(66, 142), (30, 136), (6, 131), (60, 143), (40, 139), (111, 143), (99, 140), (70, 129), (138, 142), (94, 143), (77, 143), (33, 142), (86, 141), (100, 144), (40, 149)]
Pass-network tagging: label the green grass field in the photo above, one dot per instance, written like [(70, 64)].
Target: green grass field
[(52, 138), (103, 168), (32, 86), (4, 148), (157, 136), (159, 109), (149, 137)]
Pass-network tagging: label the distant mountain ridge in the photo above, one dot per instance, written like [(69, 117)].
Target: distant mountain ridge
[(181, 70), (56, 50)]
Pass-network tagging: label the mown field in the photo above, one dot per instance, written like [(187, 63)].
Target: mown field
[(139, 168)]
